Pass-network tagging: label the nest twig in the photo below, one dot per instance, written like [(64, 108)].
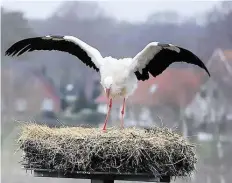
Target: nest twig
[(157, 151)]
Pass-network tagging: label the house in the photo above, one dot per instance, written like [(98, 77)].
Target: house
[(220, 65), (27, 92), (162, 97), (213, 103)]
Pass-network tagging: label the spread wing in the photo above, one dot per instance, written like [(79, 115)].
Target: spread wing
[(70, 44), (156, 57)]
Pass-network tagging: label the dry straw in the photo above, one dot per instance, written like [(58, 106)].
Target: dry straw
[(131, 150)]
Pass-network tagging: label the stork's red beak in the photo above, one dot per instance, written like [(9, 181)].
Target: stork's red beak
[(107, 92)]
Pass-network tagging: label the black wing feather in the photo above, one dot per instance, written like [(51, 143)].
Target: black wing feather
[(165, 58), (144, 76), (50, 43)]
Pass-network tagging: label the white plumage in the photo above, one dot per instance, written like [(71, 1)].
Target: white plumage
[(119, 77)]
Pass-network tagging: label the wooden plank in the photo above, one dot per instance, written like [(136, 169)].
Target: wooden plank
[(101, 176)]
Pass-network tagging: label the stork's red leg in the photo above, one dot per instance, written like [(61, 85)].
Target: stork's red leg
[(123, 112), (108, 114)]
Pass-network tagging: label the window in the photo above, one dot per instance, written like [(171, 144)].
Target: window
[(203, 94), (102, 108), (47, 104), (153, 88)]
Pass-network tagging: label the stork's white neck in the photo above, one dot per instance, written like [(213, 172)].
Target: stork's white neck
[(108, 81)]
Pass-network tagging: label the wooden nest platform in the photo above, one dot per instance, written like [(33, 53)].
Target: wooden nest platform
[(85, 151)]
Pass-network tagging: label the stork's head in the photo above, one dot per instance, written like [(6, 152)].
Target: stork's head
[(107, 84)]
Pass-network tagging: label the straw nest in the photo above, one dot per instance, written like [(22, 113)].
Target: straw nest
[(156, 151)]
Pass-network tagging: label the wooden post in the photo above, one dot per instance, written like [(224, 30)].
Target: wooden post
[(101, 181)]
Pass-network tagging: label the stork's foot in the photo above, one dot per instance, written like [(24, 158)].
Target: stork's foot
[(122, 123), (107, 116), (104, 127), (122, 113)]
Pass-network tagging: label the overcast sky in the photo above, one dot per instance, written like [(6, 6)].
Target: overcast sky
[(124, 10)]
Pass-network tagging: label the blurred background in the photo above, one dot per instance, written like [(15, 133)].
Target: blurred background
[(57, 89)]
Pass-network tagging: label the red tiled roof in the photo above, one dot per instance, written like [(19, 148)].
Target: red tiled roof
[(50, 90), (101, 99), (175, 86), (218, 66), (228, 54)]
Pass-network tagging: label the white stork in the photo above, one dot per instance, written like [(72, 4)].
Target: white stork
[(119, 77)]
